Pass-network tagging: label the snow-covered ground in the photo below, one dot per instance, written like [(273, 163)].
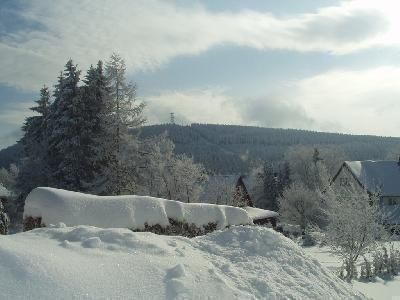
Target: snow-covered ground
[(378, 289), (242, 262)]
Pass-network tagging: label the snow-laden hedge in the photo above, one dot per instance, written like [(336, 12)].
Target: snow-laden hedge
[(135, 212)]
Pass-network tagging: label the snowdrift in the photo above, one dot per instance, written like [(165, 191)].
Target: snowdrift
[(72, 208), (242, 262)]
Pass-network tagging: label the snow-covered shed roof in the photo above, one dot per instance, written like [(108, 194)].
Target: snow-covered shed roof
[(259, 214), (377, 176), (4, 192), (130, 211)]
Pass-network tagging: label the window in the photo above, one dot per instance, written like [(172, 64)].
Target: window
[(391, 200), (344, 181)]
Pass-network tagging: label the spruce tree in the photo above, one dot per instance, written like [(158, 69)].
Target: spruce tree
[(64, 127), (96, 136), (271, 187), (33, 168)]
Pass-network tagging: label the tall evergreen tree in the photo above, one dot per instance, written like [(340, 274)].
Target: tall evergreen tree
[(33, 166), (126, 114), (64, 127), (271, 187), (95, 136)]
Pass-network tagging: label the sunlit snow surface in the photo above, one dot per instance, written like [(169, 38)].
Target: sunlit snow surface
[(130, 211), (379, 289), (242, 262)]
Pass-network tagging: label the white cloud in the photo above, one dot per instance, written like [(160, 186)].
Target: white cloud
[(149, 33), (215, 106), (358, 102), (15, 114), (361, 102), (195, 106)]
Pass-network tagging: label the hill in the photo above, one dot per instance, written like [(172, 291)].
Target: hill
[(228, 149), (231, 149)]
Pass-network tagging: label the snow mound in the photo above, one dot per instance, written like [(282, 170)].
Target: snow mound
[(93, 263), (72, 208)]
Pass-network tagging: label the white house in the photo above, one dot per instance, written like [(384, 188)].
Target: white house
[(376, 177)]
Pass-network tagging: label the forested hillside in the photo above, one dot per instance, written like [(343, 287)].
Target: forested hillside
[(228, 149)]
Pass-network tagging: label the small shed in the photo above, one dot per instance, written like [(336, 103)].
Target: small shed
[(262, 216)]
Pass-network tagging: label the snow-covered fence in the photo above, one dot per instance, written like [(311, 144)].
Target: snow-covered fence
[(135, 212)]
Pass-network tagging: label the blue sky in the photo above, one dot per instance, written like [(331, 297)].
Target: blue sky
[(320, 65)]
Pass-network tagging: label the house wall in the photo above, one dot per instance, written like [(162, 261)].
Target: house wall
[(346, 180), (390, 200), (390, 205)]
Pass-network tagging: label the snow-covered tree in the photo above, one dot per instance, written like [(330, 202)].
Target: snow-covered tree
[(95, 136), (166, 175), (269, 184), (4, 222), (126, 114), (220, 192), (307, 166), (301, 206), (33, 167), (64, 127), (8, 177), (353, 224)]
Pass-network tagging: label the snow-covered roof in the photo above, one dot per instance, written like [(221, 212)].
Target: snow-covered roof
[(4, 192), (377, 176), (259, 214), (130, 211)]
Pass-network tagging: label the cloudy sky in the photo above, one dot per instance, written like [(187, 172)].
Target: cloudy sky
[(322, 65)]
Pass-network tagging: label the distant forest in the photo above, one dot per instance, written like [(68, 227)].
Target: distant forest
[(232, 149)]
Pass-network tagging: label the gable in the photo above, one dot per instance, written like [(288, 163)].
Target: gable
[(381, 177)]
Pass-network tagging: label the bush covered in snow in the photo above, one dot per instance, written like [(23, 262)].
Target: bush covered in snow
[(180, 228), (134, 212)]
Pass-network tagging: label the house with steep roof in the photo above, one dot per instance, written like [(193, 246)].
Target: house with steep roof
[(376, 177)]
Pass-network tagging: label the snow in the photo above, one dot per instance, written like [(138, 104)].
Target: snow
[(258, 213), (72, 208), (377, 176), (242, 262), (378, 289)]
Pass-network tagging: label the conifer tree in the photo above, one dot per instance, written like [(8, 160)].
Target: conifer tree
[(33, 166), (95, 136), (126, 114), (64, 127)]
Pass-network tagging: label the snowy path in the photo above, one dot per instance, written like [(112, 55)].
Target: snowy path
[(89, 262)]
